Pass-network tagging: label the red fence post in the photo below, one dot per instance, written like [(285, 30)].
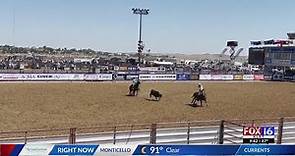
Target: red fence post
[(72, 136)]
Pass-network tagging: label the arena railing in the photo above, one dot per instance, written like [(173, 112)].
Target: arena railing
[(188, 132)]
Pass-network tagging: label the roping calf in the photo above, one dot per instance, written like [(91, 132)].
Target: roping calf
[(155, 94)]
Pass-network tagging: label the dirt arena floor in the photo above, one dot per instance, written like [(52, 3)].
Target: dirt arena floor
[(25, 106)]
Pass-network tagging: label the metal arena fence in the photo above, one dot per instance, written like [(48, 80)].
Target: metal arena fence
[(195, 132)]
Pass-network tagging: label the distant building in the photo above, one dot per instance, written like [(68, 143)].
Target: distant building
[(274, 55)]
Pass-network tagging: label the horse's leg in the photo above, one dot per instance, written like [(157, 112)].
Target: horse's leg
[(130, 89), (193, 100), (196, 101)]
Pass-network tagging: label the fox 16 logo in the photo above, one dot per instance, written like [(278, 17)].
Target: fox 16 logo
[(258, 135)]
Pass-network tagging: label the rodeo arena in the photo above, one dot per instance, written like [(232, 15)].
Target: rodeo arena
[(60, 96), (69, 96)]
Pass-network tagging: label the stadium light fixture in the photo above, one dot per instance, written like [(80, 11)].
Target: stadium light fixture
[(140, 12)]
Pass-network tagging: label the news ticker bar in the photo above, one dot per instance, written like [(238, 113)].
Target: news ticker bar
[(94, 149)]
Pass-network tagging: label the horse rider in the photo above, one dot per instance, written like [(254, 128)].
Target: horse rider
[(137, 82), (201, 89), (134, 86), (134, 81)]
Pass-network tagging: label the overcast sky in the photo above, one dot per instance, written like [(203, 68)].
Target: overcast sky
[(183, 26)]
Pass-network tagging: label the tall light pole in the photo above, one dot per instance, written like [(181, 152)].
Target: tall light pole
[(140, 12)]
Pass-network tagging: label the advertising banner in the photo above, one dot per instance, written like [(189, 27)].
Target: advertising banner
[(41, 77), (205, 77), (222, 77), (258, 77), (157, 77), (9, 77), (105, 77), (131, 76), (194, 76), (98, 77), (267, 77), (183, 76), (238, 77), (248, 77)]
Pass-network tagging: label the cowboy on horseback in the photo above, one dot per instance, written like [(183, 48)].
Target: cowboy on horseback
[(199, 95), (201, 90), (134, 87)]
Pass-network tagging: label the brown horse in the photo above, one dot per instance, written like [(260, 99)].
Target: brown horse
[(134, 88), (199, 96)]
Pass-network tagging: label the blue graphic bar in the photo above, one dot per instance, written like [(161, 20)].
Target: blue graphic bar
[(73, 150), (244, 149)]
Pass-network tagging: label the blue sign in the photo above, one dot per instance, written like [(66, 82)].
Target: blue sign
[(183, 77), (268, 131), (244, 149), (73, 150)]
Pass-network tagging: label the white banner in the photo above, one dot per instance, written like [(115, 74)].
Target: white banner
[(157, 76), (9, 77), (58, 77), (248, 77), (55, 77), (105, 77), (130, 77), (100, 77), (222, 77), (205, 77)]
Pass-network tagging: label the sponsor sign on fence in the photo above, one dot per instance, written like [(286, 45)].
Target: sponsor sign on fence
[(125, 76), (267, 77), (258, 77), (194, 76), (205, 77), (248, 77), (131, 76), (9, 76), (105, 77), (157, 77), (183, 77), (222, 77), (238, 77), (98, 77), (54, 77)]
